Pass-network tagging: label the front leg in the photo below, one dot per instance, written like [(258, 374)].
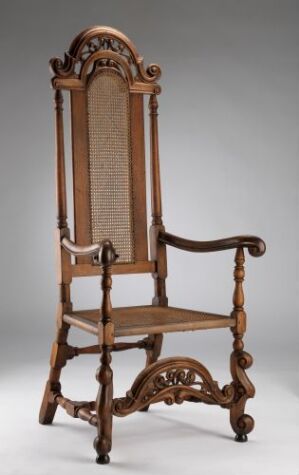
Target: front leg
[(59, 357), (103, 441), (241, 423), (104, 375)]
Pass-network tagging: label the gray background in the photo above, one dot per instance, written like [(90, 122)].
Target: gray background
[(229, 114)]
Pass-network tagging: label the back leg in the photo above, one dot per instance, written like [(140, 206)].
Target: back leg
[(153, 354), (59, 356)]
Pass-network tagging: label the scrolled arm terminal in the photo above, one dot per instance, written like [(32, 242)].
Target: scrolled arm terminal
[(103, 253), (256, 246)]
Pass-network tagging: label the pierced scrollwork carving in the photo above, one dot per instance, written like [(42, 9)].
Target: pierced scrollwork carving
[(174, 377), (98, 43), (173, 380), (98, 40)]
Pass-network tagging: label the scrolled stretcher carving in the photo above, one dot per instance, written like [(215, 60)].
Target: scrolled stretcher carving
[(173, 380)]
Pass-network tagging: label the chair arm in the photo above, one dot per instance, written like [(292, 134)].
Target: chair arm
[(103, 253), (256, 246)]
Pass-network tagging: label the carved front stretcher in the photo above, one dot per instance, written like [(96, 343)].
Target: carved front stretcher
[(174, 380)]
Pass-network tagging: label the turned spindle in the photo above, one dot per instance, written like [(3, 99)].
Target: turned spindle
[(238, 301), (155, 165), (104, 374), (60, 162)]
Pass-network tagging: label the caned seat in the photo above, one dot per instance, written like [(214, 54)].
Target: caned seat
[(108, 83), (143, 320)]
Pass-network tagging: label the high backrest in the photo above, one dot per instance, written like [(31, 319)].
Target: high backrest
[(107, 81), (110, 166)]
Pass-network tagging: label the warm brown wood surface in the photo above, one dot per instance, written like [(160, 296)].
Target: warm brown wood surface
[(138, 177), (149, 320), (172, 380), (80, 171)]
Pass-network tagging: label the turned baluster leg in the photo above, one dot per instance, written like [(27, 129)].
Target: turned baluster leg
[(241, 423), (103, 441), (104, 376)]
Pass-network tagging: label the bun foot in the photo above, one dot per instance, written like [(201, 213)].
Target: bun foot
[(241, 438), (103, 459)]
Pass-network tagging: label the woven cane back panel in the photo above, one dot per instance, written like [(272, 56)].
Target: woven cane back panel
[(110, 162)]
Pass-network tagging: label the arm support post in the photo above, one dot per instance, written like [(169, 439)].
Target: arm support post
[(104, 375)]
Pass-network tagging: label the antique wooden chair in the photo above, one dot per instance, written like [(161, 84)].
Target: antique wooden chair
[(107, 82)]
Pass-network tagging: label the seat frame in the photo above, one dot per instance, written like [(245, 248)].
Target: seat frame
[(148, 319), (172, 380)]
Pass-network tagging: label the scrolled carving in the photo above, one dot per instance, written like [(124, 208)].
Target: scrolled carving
[(64, 68), (174, 377), (244, 360), (154, 71), (173, 380), (241, 423), (94, 41), (244, 425), (239, 363), (98, 43)]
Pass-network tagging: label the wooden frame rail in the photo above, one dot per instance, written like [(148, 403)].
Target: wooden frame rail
[(256, 246)]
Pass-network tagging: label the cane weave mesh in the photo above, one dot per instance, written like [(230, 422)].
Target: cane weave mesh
[(110, 162)]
